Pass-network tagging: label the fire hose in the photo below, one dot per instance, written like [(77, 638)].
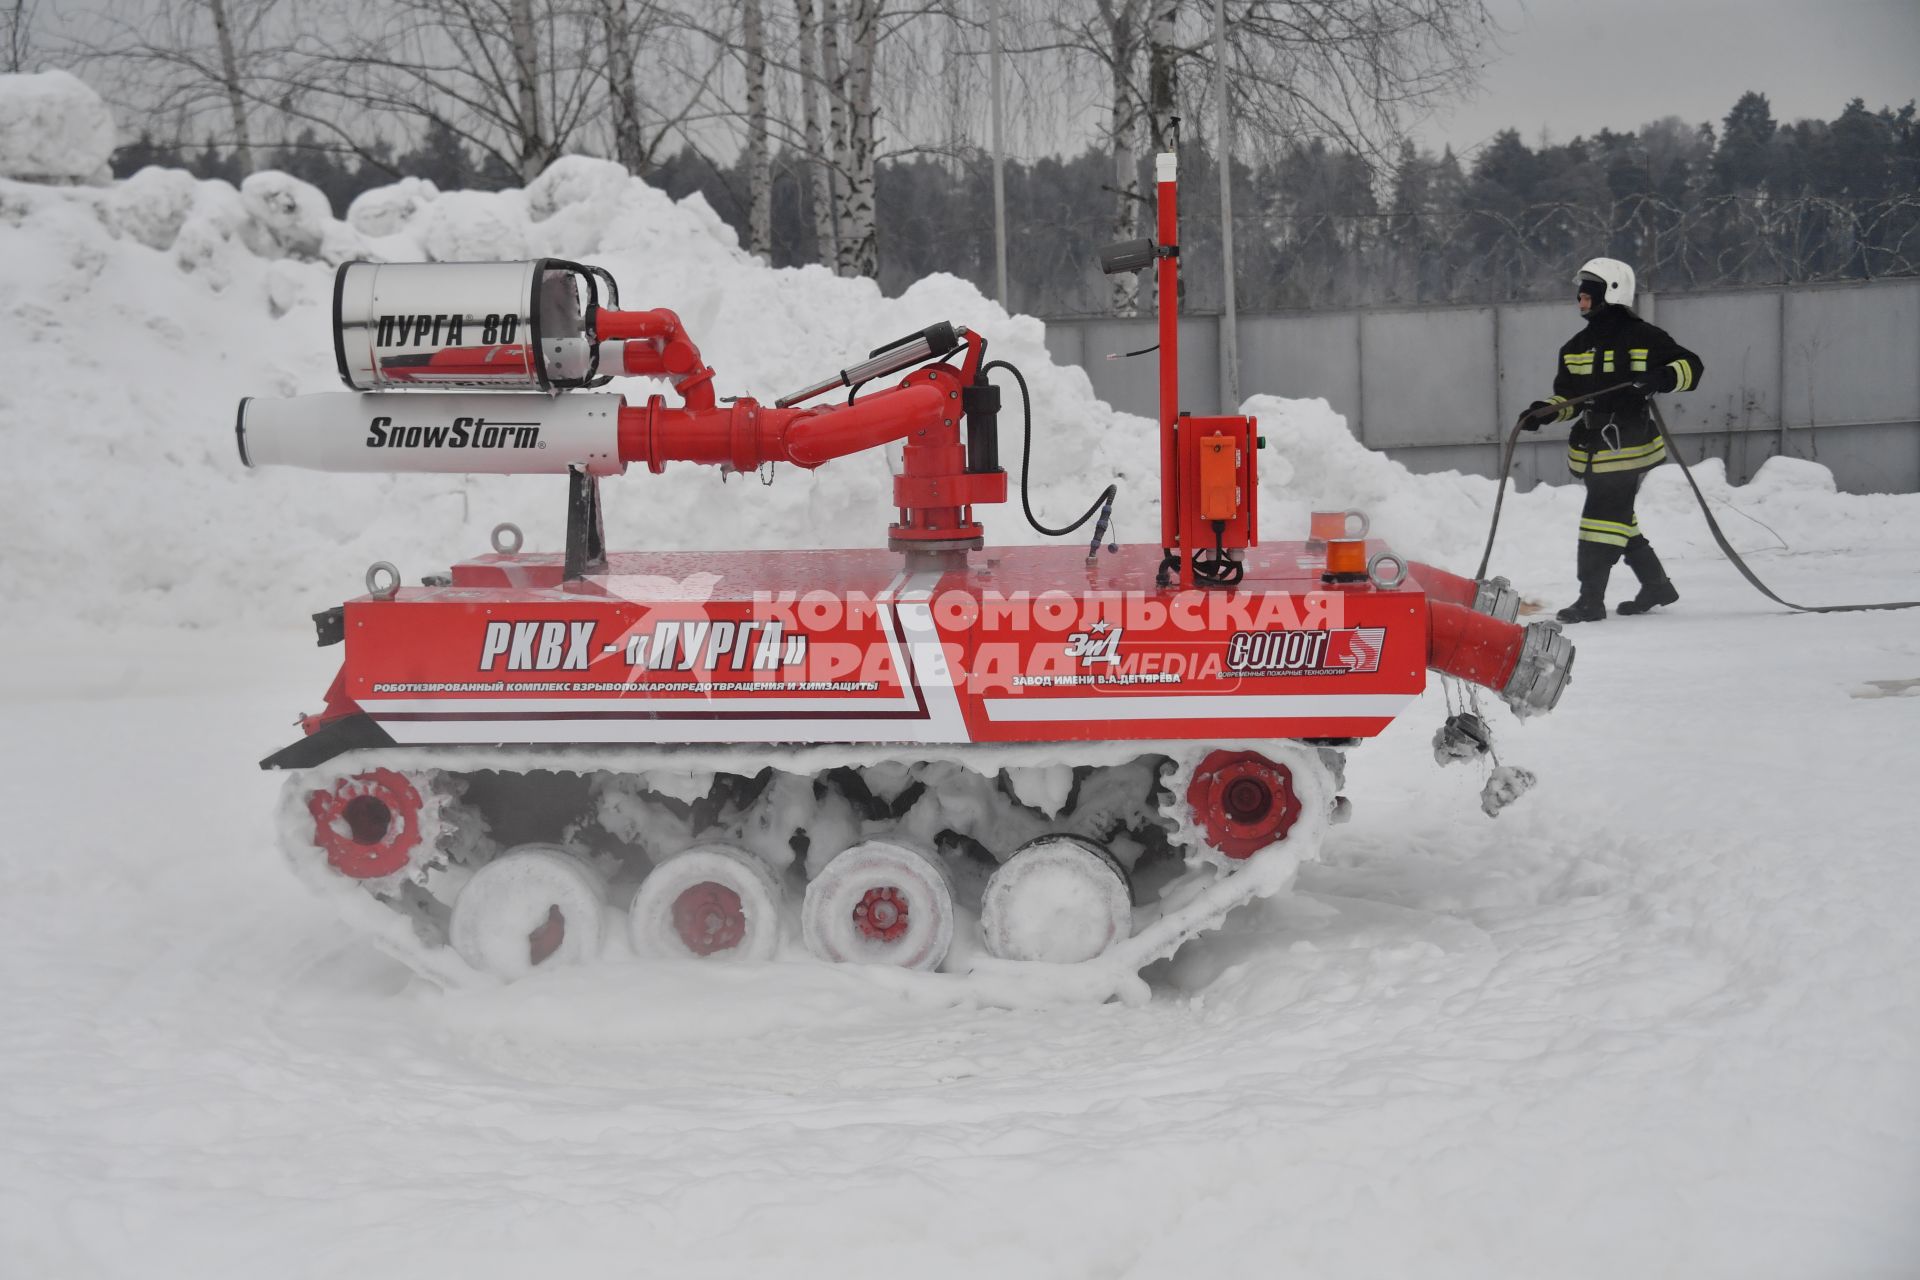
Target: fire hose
[(1713, 526)]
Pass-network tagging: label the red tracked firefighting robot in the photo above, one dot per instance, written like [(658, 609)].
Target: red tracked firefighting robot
[(924, 753)]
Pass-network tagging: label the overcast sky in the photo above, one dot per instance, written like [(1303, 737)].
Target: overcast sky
[(1576, 66), (1572, 67)]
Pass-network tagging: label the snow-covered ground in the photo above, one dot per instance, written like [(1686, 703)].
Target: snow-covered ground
[(1659, 1018)]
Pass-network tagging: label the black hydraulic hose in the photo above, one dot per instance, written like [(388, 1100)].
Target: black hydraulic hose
[(1219, 569), (1102, 505)]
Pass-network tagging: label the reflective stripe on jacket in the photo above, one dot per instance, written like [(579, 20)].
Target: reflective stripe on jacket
[(1616, 432)]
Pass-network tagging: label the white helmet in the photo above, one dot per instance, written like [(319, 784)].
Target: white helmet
[(1617, 276)]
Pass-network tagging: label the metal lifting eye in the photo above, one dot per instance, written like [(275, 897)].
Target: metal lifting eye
[(1387, 570), (383, 580), (507, 538)]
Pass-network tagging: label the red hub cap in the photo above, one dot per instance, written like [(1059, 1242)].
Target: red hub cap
[(546, 939), (367, 824), (1243, 801), (881, 914), (708, 918)]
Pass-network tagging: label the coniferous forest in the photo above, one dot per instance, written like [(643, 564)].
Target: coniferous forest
[(1746, 200)]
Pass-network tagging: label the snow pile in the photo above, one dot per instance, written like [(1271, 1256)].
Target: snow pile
[(53, 128), (385, 210), (294, 219), (149, 308), (146, 309)]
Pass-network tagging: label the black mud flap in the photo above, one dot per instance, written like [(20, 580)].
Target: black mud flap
[(348, 733)]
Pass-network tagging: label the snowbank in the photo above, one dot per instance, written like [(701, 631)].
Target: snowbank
[(53, 128), (147, 308)]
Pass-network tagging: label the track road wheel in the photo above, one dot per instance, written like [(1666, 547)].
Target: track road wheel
[(711, 900), (1058, 898), (534, 906), (880, 903)]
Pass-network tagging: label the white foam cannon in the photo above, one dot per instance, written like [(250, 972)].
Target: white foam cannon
[(508, 326), (474, 432)]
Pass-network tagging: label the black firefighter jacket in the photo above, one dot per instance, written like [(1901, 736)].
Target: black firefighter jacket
[(1616, 432)]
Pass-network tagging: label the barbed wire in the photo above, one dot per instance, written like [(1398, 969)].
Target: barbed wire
[(1288, 259)]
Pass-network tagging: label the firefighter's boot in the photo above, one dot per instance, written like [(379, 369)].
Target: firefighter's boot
[(1594, 564), (1655, 588)]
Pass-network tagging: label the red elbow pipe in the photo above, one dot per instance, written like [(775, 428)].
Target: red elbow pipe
[(1441, 585), (745, 434), (656, 344), (632, 326), (879, 419), (1472, 646)]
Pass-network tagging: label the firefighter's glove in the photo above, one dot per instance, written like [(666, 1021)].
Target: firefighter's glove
[(1537, 413), (1654, 381)]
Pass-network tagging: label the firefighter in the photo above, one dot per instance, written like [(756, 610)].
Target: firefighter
[(1615, 441)]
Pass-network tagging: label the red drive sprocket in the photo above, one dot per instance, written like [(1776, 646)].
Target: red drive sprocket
[(367, 824), (1243, 801)]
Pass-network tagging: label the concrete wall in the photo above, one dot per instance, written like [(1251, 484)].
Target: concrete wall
[(1828, 372)]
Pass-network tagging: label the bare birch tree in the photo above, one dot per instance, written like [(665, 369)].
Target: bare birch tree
[(520, 81), (859, 243), (1112, 35), (1163, 74), (536, 145), (617, 31), (16, 36), (230, 83), (193, 60), (819, 165), (1355, 72), (753, 37), (750, 41), (833, 72), (662, 76)]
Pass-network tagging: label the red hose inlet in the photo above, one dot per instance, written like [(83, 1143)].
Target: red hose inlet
[(1441, 585), (1472, 646)]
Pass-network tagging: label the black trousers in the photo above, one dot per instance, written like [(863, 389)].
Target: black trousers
[(1609, 529), (1607, 519)]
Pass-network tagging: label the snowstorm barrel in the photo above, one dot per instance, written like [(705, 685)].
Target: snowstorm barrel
[(480, 433)]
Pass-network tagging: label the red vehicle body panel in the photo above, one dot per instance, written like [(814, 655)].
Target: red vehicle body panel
[(1027, 644)]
